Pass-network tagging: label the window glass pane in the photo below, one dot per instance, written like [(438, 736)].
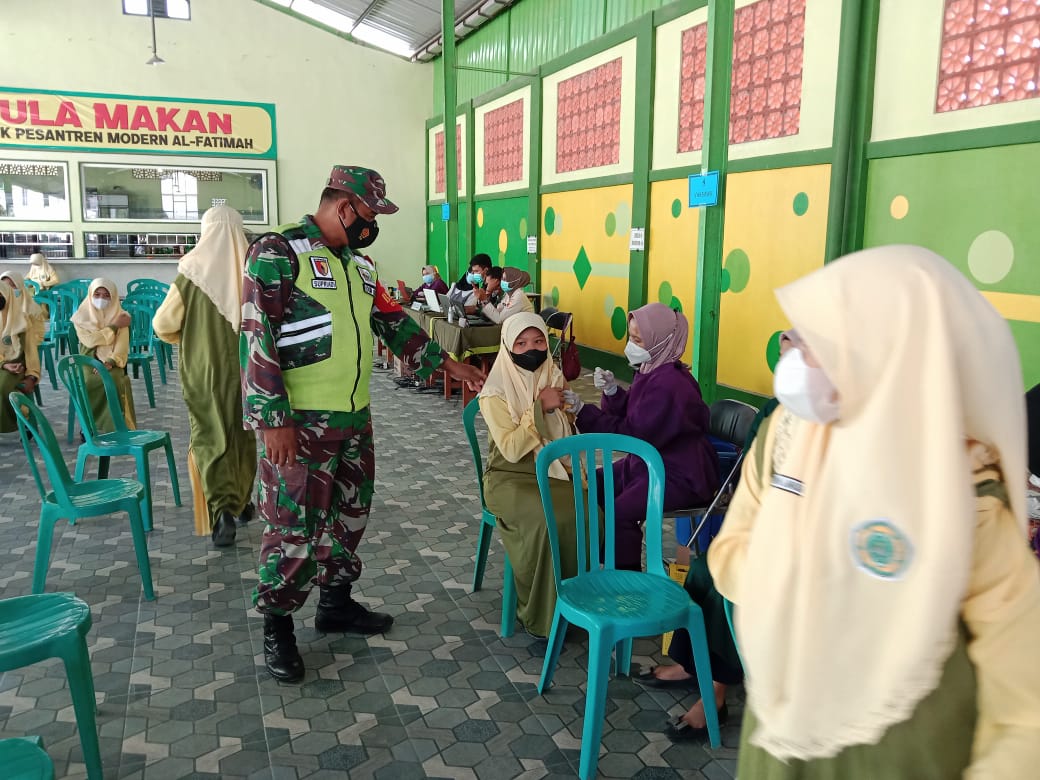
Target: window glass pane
[(164, 9), (158, 194), (33, 190)]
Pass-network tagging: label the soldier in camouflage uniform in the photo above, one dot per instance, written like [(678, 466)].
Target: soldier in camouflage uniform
[(311, 303)]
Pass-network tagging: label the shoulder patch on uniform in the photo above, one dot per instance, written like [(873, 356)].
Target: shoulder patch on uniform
[(300, 245)]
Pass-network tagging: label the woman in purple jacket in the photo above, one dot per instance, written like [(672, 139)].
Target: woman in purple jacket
[(663, 407)]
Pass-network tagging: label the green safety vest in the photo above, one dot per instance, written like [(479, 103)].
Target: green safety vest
[(325, 343)]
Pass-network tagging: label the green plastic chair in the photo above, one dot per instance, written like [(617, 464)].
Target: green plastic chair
[(141, 353), (72, 501), (487, 526), (152, 298), (62, 329), (135, 286), (121, 441), (614, 605), (49, 344), (33, 629)]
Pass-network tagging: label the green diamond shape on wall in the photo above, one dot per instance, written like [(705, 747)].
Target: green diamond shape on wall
[(582, 268)]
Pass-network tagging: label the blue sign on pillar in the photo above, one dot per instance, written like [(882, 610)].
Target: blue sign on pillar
[(704, 189), (445, 212)]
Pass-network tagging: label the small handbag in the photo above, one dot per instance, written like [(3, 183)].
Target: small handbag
[(570, 361)]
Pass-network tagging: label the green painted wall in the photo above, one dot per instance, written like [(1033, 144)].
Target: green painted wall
[(530, 34), (968, 207), (503, 223), (437, 244)]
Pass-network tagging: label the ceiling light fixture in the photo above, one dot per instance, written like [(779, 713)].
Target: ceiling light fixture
[(155, 58)]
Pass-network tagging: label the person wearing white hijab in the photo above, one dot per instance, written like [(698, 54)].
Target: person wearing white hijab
[(21, 331), (523, 405), (103, 329), (41, 272), (203, 312), (887, 607)]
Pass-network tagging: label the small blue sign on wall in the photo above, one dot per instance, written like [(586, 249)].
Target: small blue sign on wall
[(704, 189), (445, 212)]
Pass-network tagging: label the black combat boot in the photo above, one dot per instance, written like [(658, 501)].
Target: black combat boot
[(280, 653), (224, 529), (338, 613), (248, 513)]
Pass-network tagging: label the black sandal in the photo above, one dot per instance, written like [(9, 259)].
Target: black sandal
[(678, 730)]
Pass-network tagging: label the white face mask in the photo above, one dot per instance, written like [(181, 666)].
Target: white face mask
[(804, 390), (100, 303), (636, 354)]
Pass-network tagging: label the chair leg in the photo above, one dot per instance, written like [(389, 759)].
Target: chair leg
[(71, 428), (483, 545), (44, 538), (552, 651), (160, 361), (702, 663), (623, 657), (508, 599), (36, 394), (148, 384), (81, 686), (600, 647), (145, 477), (81, 463), (171, 464), (141, 550)]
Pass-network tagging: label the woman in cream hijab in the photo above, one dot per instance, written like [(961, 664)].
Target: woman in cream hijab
[(21, 331), (103, 329), (202, 312), (887, 607), (522, 403), (41, 272)]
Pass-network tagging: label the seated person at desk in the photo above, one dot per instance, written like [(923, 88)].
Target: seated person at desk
[(664, 407), (463, 291), (431, 278), (523, 405), (514, 299), (103, 329), (21, 331)]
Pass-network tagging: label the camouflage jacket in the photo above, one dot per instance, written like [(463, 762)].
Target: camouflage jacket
[(269, 295)]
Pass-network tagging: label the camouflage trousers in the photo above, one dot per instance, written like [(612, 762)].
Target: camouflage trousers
[(315, 512)]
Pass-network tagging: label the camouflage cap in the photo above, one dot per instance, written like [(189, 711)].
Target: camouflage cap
[(365, 183)]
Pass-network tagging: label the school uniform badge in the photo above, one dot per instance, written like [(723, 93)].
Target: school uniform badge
[(880, 549), (323, 279)]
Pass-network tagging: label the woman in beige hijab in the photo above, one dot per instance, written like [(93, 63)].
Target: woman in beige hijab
[(514, 299), (887, 608), (103, 329), (522, 403), (21, 331), (41, 272), (202, 312)]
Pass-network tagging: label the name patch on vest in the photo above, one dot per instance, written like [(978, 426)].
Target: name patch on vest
[(323, 279), (788, 484)]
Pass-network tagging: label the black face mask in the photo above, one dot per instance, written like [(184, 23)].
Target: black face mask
[(531, 360), (361, 232)]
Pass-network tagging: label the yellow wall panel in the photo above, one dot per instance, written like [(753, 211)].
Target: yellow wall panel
[(672, 251), (584, 247), (776, 226)]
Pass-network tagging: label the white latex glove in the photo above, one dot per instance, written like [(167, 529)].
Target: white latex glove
[(572, 401), (604, 380)]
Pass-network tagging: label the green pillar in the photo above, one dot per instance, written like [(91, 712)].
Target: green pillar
[(643, 143), (714, 157), (451, 188)]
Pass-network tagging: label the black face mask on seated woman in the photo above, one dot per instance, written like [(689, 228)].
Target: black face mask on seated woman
[(531, 360)]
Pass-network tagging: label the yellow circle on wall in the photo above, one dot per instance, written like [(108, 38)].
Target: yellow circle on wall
[(480, 217), (899, 207), (503, 240)]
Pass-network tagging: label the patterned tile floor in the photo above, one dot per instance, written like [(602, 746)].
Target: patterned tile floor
[(181, 687)]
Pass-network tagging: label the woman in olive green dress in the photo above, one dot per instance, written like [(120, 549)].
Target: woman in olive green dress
[(103, 329), (21, 331), (523, 405), (886, 604)]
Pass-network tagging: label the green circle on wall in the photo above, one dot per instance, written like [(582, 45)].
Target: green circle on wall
[(556, 296), (739, 267), (675, 304), (664, 293), (619, 323), (800, 204), (523, 227), (611, 224), (550, 220), (724, 280), (773, 350), (676, 208)]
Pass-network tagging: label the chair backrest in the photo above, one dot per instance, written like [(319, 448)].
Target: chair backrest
[(135, 286), (72, 370), (150, 297), (140, 326), (77, 288), (32, 285), (555, 319), (731, 421), (469, 422), (31, 421), (586, 451)]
